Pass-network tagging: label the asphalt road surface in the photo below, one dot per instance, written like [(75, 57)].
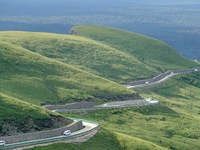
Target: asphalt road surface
[(160, 78), (88, 126)]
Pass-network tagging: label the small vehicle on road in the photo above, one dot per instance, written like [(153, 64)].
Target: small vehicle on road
[(67, 132), (2, 143), (195, 69)]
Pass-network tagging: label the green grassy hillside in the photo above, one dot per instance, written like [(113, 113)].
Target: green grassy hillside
[(181, 91), (132, 143), (103, 140), (42, 68), (83, 53), (150, 51), (174, 124), (36, 79), (117, 55), (20, 117)]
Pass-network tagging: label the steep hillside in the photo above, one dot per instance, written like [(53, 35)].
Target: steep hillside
[(36, 79), (150, 51), (20, 117), (43, 68), (117, 55), (84, 53)]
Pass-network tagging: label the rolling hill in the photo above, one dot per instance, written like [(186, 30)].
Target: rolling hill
[(122, 59), (36, 79), (29, 78), (151, 52), (173, 124), (83, 53), (44, 68)]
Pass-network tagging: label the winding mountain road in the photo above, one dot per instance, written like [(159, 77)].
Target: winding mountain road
[(81, 106), (91, 127), (159, 78)]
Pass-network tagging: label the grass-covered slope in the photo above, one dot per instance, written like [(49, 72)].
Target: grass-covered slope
[(173, 124), (132, 143), (84, 53), (150, 51), (180, 87), (114, 54), (103, 140), (20, 117), (181, 91), (33, 78)]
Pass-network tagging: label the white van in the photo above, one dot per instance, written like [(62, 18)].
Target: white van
[(67, 132), (2, 143)]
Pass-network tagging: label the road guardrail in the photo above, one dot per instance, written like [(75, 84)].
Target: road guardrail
[(53, 139)]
